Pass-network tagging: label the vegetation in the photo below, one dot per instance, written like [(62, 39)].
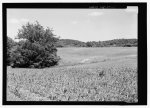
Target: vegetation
[(70, 43), (109, 43), (82, 74), (110, 74), (36, 48), (10, 44)]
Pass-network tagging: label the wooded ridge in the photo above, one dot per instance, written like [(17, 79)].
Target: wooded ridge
[(108, 43)]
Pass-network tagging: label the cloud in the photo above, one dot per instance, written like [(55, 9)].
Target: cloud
[(13, 20), (74, 22), (24, 20), (95, 14), (132, 9), (17, 21)]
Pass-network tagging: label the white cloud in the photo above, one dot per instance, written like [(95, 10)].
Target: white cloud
[(95, 14), (24, 20), (132, 9), (17, 21), (13, 20), (74, 22)]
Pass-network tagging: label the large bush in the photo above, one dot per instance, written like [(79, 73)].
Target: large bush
[(10, 44), (36, 48)]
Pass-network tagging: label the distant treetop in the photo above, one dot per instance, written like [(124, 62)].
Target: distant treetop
[(108, 43)]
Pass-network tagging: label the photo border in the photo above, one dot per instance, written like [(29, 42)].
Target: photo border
[(142, 48)]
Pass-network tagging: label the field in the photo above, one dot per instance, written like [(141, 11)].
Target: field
[(83, 74)]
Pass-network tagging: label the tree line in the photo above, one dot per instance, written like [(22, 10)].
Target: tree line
[(109, 43)]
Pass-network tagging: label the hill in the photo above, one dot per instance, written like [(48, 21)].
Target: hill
[(70, 43), (108, 43)]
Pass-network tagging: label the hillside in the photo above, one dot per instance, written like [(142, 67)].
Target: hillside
[(83, 74), (70, 43), (108, 43)]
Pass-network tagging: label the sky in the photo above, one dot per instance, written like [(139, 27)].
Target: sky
[(79, 24)]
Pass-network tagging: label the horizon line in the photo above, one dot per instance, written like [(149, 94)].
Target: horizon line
[(79, 40), (99, 40)]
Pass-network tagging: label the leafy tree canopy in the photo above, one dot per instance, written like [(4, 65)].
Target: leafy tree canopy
[(36, 48)]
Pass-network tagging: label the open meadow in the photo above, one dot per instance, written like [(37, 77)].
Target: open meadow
[(83, 74)]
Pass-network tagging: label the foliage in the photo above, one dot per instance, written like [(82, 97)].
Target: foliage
[(113, 43), (114, 79), (109, 43), (76, 83), (70, 43), (10, 44), (36, 48)]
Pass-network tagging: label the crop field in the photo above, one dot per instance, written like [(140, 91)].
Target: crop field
[(83, 74)]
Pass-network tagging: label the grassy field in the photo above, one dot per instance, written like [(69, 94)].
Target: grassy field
[(83, 74)]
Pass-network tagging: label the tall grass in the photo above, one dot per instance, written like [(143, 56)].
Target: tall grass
[(110, 80)]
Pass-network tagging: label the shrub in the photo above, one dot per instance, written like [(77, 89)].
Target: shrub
[(36, 48), (10, 44)]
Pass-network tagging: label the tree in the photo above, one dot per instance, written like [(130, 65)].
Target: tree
[(36, 49), (10, 44)]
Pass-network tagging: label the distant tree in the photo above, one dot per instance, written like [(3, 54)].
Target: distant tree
[(114, 43), (36, 49), (108, 43), (88, 44), (70, 43)]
